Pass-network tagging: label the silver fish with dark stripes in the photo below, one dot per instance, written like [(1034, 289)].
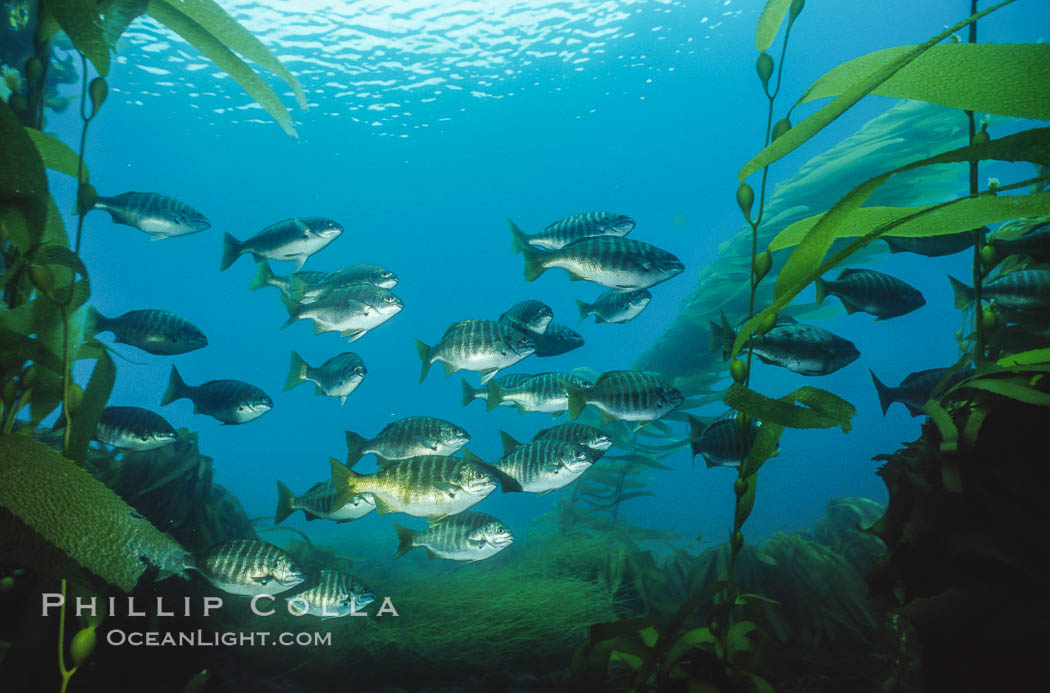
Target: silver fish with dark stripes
[(414, 436), (293, 239), (335, 595), (931, 246), (431, 487), (1035, 244), (594, 440), (317, 502), (154, 331), (484, 346), (248, 567), (542, 466), (615, 306), (158, 215), (618, 263), (626, 396), (229, 401), (351, 310), (1021, 290), (917, 388), (571, 229), (302, 291), (133, 428), (471, 393), (543, 392), (557, 339), (801, 348), (469, 536), (530, 316), (871, 292), (719, 441), (337, 377)]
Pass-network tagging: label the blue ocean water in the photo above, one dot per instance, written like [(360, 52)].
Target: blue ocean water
[(431, 123)]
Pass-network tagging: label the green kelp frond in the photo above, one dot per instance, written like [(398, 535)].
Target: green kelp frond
[(68, 508), (1006, 79), (908, 131)]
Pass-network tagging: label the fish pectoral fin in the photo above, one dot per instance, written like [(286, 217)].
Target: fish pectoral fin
[(487, 374), (382, 507), (300, 261), (157, 236), (448, 488), (342, 400), (436, 518), (262, 580), (353, 335)]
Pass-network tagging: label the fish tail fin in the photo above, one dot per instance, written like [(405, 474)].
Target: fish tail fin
[(577, 399), (263, 276), (822, 290), (177, 388), (495, 396), (297, 371), (508, 441), (94, 321), (405, 540), (285, 497), (424, 354), (518, 239), (469, 393), (722, 335), (344, 480), (533, 263), (696, 429), (585, 310), (963, 293), (886, 394), (293, 310), (231, 250), (355, 444)]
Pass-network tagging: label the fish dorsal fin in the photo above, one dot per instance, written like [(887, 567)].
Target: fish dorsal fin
[(454, 326), (847, 272)]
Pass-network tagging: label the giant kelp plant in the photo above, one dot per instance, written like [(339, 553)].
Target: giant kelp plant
[(57, 519), (726, 654)]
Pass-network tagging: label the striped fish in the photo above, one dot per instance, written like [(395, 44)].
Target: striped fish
[(469, 536), (801, 348), (336, 377), (917, 388), (872, 292), (531, 317), (154, 331), (133, 428), (509, 380), (561, 233), (303, 291), (543, 392), (248, 567), (615, 306), (264, 276), (556, 340), (317, 502), (618, 263), (931, 246), (415, 436), (229, 401), (431, 487), (542, 466), (594, 439), (293, 239), (1035, 244), (158, 215), (351, 311), (334, 596), (626, 396), (484, 346), (719, 441), (1022, 290)]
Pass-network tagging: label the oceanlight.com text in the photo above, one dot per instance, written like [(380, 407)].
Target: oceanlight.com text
[(200, 638)]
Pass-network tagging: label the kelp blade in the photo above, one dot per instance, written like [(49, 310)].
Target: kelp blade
[(769, 23), (56, 154), (802, 132), (986, 77), (225, 59)]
